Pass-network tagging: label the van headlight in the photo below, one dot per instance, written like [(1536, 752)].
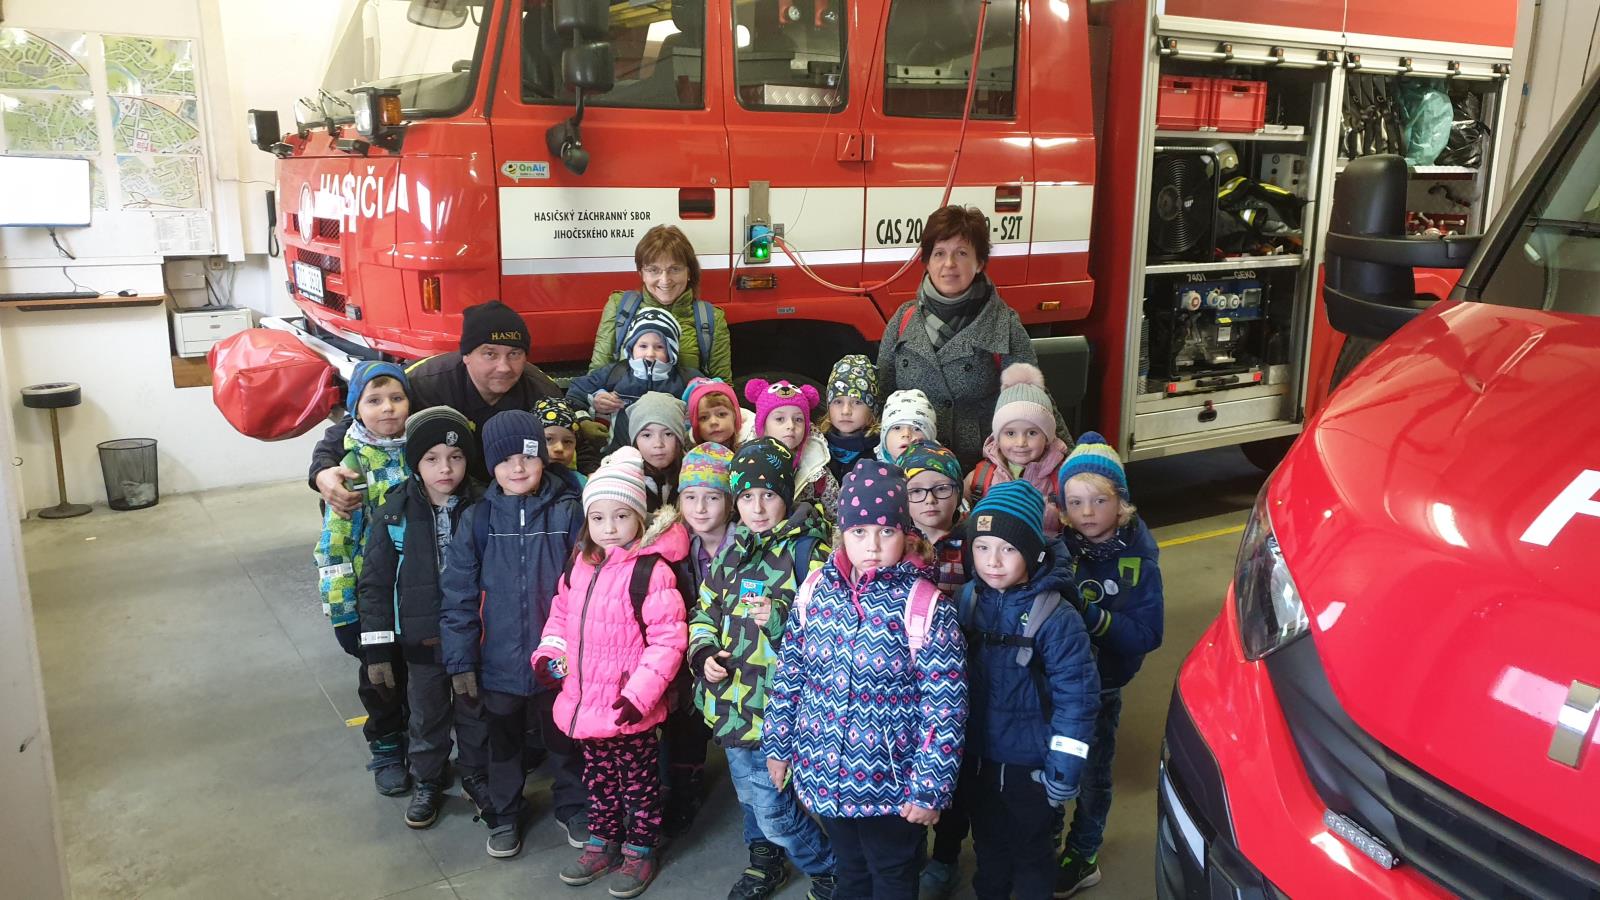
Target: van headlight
[(1270, 611)]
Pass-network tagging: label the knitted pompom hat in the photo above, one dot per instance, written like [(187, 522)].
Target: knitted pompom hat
[(620, 478), (1023, 399), (771, 395), (1092, 456)]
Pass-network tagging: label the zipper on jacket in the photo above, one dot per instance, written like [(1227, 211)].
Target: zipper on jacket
[(576, 670)]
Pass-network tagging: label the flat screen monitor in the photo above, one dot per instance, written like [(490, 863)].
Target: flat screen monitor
[(44, 191)]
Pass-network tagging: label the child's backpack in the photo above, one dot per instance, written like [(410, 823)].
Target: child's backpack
[(923, 598), (1044, 605), (705, 321), (983, 475)]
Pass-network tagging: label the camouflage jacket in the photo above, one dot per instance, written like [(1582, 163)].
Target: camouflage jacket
[(720, 620)]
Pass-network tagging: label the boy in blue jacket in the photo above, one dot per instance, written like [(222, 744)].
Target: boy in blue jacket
[(1032, 688), (1115, 568), (505, 559)]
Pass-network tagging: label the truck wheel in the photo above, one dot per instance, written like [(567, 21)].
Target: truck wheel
[(1355, 349), (1265, 455)]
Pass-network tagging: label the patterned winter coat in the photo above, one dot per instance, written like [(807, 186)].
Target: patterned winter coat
[(733, 707), (813, 478), (1041, 473), (961, 379), (1040, 715), (609, 654), (866, 725), (343, 544), (1120, 580), (496, 597)]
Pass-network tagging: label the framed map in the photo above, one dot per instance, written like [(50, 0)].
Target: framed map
[(43, 60), (155, 125), (49, 123), (159, 182), (145, 65)]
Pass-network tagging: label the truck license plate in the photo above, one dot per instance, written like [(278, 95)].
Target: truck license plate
[(308, 279)]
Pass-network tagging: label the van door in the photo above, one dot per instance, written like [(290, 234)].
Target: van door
[(793, 101), (658, 155), (912, 121)]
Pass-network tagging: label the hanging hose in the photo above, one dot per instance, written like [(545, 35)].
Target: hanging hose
[(949, 184)]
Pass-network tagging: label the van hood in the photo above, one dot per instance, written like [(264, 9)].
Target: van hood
[(1451, 626)]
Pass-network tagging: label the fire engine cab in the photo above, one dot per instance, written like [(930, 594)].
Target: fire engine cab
[(1157, 178)]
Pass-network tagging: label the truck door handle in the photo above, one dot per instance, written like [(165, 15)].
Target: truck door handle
[(1008, 198), (697, 203)]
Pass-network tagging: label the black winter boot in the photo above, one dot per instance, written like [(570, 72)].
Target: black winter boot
[(766, 873), (388, 765), (425, 803)]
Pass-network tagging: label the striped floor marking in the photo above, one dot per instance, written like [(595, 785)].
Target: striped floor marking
[(1202, 536)]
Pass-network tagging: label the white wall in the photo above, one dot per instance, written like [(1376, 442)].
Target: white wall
[(251, 54), (1555, 38), (124, 365), (30, 835)]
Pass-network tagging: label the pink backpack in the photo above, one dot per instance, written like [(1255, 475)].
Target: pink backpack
[(918, 615)]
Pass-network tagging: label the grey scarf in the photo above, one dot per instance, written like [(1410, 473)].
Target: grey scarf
[(945, 317)]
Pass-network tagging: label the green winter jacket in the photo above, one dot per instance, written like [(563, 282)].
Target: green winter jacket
[(682, 309), (343, 544), (732, 707)]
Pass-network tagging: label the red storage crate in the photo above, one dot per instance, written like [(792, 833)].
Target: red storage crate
[(1184, 102), (1238, 105)]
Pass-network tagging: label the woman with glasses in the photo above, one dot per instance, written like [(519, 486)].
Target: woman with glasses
[(669, 275)]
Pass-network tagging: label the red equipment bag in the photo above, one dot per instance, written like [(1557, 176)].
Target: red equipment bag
[(269, 385)]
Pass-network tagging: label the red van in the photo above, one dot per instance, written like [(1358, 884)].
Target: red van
[(1399, 696)]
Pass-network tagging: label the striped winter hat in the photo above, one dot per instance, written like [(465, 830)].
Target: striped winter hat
[(1013, 511), (620, 478), (1093, 456), (654, 319), (1023, 399), (706, 466)]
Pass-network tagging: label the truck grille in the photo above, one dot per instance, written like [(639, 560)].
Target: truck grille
[(1463, 845), (321, 229), (328, 263)]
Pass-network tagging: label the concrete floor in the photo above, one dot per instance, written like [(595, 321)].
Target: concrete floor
[(198, 707)]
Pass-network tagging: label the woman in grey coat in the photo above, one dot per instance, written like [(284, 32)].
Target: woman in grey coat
[(953, 340)]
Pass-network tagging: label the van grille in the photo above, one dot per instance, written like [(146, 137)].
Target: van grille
[(1463, 845), (327, 262)]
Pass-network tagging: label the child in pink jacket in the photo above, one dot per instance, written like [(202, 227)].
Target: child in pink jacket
[(615, 638)]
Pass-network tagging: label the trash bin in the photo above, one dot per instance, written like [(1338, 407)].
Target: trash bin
[(129, 465)]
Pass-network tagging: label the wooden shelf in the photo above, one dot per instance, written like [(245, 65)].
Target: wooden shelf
[(1241, 262), (1277, 136), (106, 302)]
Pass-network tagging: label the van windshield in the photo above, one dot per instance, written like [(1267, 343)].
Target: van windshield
[(1553, 262), (427, 49)]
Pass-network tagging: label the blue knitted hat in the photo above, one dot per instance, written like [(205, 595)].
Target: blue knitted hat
[(1012, 511), (513, 431), (1092, 456), (365, 371)]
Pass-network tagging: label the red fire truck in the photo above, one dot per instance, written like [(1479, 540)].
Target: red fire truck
[(1156, 175)]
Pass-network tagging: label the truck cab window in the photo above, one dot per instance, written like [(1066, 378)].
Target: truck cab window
[(433, 67), (1553, 262), (789, 54), (927, 54), (659, 50)]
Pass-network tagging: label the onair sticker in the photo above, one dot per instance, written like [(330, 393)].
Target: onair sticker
[(517, 170)]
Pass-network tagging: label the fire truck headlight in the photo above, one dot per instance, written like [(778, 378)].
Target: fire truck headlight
[(262, 125), (1271, 613)]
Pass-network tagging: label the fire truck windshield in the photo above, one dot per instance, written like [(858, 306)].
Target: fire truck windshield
[(428, 49)]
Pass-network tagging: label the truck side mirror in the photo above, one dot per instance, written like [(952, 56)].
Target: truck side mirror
[(1370, 289), (587, 20), (589, 67), (442, 14)]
